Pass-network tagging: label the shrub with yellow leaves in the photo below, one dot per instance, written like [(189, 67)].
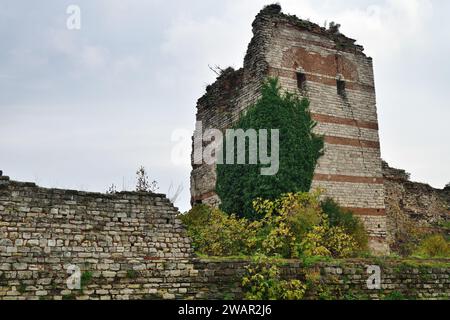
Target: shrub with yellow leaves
[(292, 226), (262, 281), (328, 241), (215, 233)]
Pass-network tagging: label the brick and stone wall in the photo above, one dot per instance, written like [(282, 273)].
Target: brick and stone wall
[(413, 205), (286, 47), (337, 280), (132, 246)]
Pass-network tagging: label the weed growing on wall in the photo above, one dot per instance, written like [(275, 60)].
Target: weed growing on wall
[(434, 246), (262, 281)]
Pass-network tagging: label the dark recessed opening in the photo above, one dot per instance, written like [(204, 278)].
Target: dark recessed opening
[(167, 221), (301, 81), (340, 87)]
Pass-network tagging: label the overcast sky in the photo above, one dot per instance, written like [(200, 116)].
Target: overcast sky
[(83, 109)]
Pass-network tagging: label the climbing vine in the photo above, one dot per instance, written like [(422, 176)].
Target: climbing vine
[(299, 149)]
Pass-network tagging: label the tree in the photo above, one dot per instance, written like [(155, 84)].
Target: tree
[(143, 183), (299, 149)]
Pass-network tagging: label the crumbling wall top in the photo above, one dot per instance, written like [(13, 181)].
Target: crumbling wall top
[(393, 173), (274, 13), (221, 90), (7, 184)]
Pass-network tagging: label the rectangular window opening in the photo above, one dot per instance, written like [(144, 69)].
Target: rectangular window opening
[(301, 81), (340, 87)]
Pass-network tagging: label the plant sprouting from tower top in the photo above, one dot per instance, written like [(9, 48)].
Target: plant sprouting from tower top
[(334, 27)]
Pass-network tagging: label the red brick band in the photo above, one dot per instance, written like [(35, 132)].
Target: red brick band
[(332, 82), (203, 196), (152, 258), (350, 179), (344, 121), (368, 212), (326, 80), (352, 142)]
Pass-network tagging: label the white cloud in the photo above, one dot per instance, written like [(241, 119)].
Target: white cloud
[(384, 28), (387, 29), (127, 64), (27, 58), (207, 41), (94, 56)]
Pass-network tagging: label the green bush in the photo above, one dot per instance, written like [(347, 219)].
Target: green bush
[(343, 218), (286, 221), (215, 233), (262, 281), (238, 185), (199, 215), (328, 242), (291, 226), (435, 246)]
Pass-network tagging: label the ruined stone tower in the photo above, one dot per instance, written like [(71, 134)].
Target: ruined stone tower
[(337, 77)]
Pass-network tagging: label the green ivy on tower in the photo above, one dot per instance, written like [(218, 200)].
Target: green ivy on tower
[(299, 148)]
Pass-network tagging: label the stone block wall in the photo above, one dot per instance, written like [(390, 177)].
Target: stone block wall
[(339, 280), (288, 47), (120, 241), (133, 246)]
